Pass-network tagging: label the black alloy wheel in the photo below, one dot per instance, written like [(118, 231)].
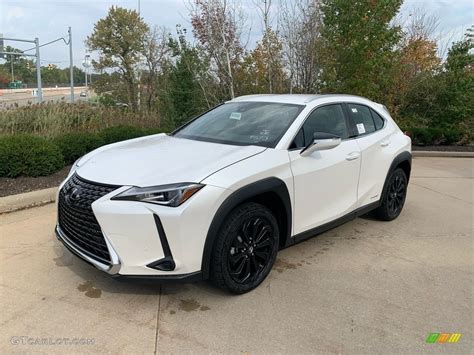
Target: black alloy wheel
[(394, 196), (245, 249), (250, 250)]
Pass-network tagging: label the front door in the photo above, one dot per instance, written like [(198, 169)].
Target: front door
[(325, 182)]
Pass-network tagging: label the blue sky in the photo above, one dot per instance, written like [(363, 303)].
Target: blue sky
[(49, 19)]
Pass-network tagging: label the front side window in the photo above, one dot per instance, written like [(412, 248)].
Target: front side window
[(243, 123), (326, 119)]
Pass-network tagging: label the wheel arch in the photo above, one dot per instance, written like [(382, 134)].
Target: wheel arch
[(403, 161), (271, 192)]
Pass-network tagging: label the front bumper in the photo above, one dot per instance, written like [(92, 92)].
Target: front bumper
[(136, 245), (112, 270)]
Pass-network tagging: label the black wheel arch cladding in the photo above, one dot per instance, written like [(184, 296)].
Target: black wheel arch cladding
[(403, 161), (272, 185)]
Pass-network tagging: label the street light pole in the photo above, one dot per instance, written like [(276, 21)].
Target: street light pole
[(71, 67), (86, 64), (11, 64), (38, 71)]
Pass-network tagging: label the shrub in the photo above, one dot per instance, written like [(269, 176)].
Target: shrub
[(120, 133), (436, 136), (75, 145), (29, 156), (453, 136)]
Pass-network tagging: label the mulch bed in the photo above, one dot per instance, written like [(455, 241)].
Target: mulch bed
[(444, 148), (22, 184)]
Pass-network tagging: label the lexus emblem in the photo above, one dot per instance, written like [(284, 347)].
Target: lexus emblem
[(75, 194)]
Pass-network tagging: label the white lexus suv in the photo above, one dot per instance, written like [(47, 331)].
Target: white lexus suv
[(217, 198)]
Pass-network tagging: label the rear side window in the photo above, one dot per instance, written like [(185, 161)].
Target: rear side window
[(362, 119), (378, 120)]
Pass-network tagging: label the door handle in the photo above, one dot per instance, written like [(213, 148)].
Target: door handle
[(353, 156), (384, 143)]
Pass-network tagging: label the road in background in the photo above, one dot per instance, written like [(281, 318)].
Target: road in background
[(365, 287), (22, 97)]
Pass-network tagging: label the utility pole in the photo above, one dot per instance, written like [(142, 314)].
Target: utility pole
[(71, 67), (11, 64), (38, 71), (86, 64)]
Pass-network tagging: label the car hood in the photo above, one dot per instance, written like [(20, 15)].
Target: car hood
[(160, 159)]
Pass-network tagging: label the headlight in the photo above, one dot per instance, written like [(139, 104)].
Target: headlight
[(168, 195)]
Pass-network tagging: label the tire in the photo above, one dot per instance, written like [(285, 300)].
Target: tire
[(393, 197), (247, 241)]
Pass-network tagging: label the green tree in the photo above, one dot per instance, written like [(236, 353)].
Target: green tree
[(78, 76), (358, 46), (444, 99), (184, 90), (111, 88), (119, 38), (23, 68)]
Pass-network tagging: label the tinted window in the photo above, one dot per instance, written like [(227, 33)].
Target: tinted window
[(299, 140), (378, 120), (362, 118), (327, 119), (243, 123)]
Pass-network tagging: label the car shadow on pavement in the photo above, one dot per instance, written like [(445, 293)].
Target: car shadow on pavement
[(95, 281)]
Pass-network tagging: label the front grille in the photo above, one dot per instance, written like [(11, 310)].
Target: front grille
[(76, 219)]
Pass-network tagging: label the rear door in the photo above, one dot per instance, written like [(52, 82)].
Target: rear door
[(373, 139), (325, 182)]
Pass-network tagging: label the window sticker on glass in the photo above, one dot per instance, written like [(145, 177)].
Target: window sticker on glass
[(235, 116), (354, 110), (361, 128)]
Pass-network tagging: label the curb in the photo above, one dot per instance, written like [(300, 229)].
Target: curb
[(441, 154), (26, 200)]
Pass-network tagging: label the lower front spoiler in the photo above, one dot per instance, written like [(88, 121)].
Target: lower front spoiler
[(179, 278), (113, 269)]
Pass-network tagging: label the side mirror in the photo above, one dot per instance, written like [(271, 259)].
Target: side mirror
[(321, 141)]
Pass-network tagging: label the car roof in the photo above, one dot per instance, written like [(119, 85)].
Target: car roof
[(299, 99)]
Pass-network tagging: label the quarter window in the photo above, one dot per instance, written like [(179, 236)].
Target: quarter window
[(362, 119), (378, 120)]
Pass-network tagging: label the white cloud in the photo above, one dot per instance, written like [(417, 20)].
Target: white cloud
[(15, 13)]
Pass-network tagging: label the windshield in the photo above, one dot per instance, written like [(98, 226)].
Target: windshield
[(243, 123)]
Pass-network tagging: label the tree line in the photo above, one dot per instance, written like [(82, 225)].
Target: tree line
[(361, 47)]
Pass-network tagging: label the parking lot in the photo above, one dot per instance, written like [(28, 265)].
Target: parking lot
[(365, 287)]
